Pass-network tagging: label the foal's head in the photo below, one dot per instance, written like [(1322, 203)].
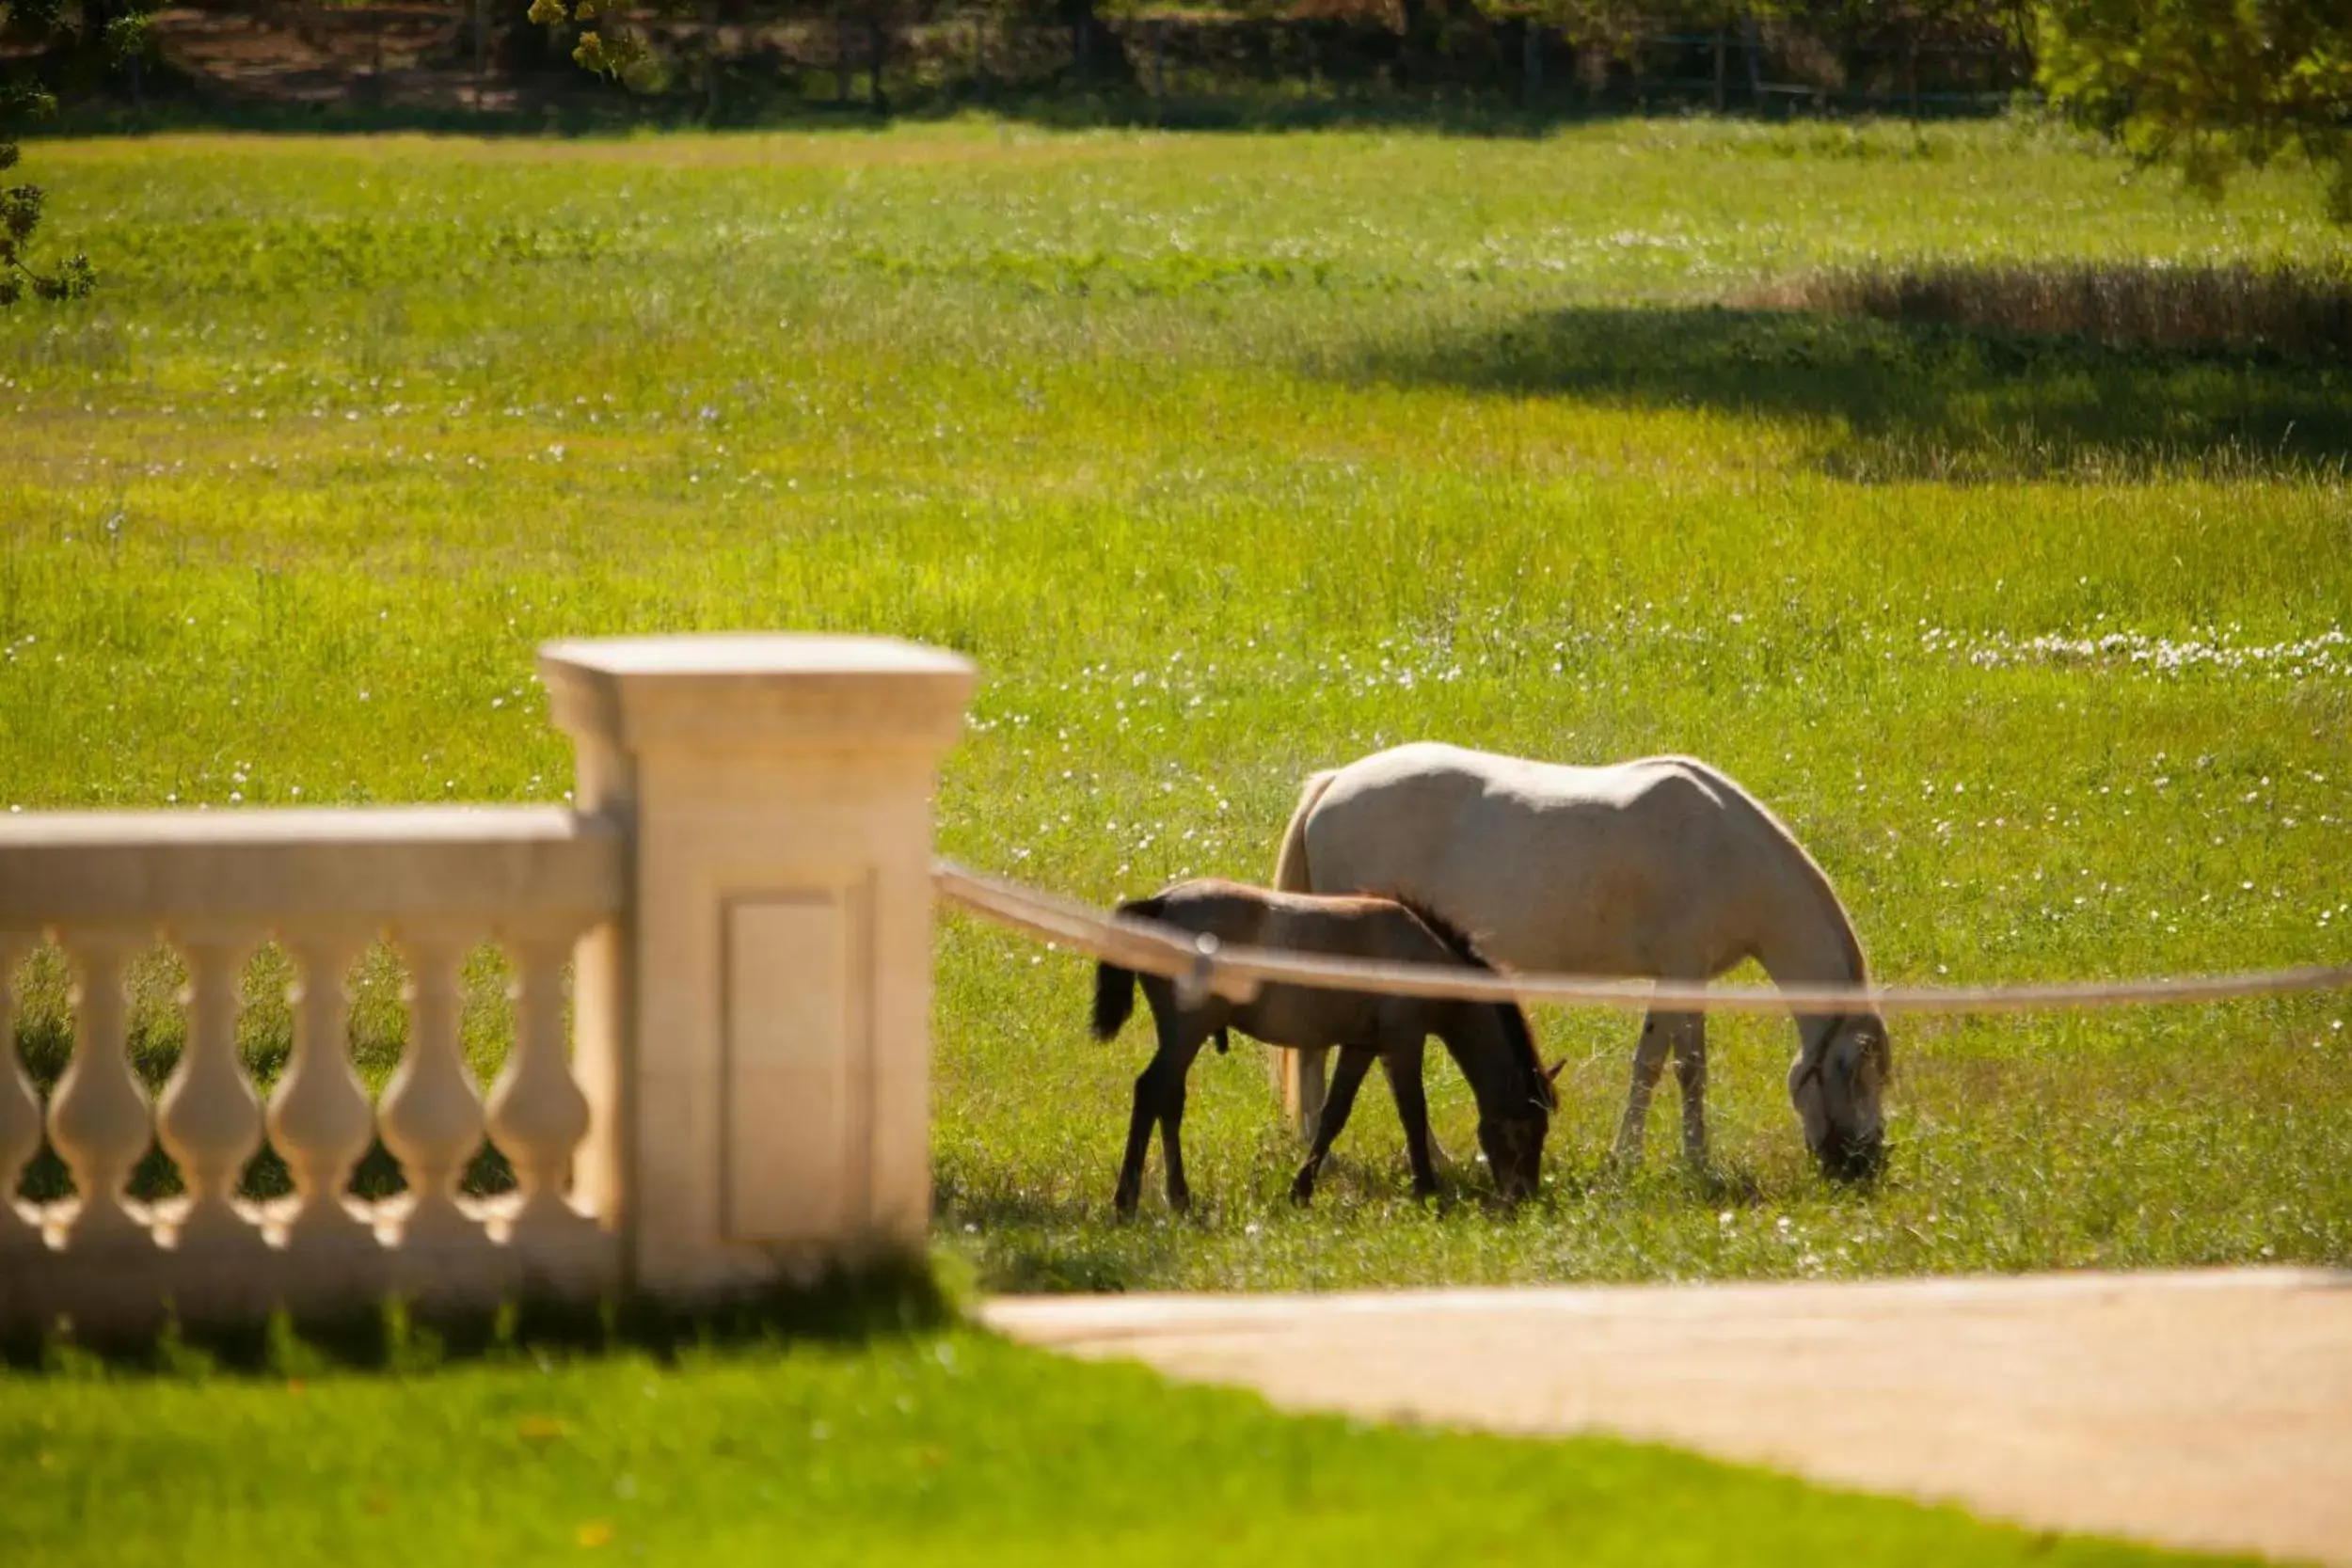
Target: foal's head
[(1496, 1050), (1512, 1128)]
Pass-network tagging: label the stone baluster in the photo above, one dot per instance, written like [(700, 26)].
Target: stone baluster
[(319, 1117), (20, 1107), (99, 1118), (432, 1113), (209, 1118), (538, 1114)]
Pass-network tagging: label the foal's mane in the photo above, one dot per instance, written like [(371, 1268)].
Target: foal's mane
[(1459, 942)]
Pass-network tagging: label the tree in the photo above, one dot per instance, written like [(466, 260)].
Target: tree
[(2208, 86), (73, 42), (20, 215)]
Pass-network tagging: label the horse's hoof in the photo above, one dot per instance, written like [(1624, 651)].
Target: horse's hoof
[(1125, 1204), (1302, 1193), (1180, 1203)]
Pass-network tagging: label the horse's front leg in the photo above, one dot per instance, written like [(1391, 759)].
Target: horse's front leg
[(1403, 1065), (1172, 1117), (1690, 1048), (1355, 1061), (1649, 1060), (1163, 1076)]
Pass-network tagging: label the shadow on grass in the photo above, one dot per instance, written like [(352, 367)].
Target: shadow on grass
[(894, 1296), (1022, 1243), (553, 106), (586, 114), (1902, 400)]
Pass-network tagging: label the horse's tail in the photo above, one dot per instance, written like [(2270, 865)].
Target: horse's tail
[(1114, 986), (1291, 872)]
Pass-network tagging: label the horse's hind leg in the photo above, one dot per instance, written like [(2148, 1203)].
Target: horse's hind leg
[(1403, 1067), (1355, 1061), (1690, 1048), (1139, 1122), (1649, 1060)]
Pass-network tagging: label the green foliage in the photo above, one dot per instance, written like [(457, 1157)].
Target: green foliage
[(20, 214), (2208, 86), (66, 40), (616, 50)]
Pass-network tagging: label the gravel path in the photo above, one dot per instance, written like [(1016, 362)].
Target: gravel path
[(2208, 1409)]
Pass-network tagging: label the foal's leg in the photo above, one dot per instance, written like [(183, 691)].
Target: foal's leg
[(1165, 1071), (1139, 1122), (1402, 1064), (1690, 1048), (1649, 1060), (1355, 1061), (1172, 1122)]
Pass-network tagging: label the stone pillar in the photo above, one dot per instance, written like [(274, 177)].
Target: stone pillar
[(753, 1034)]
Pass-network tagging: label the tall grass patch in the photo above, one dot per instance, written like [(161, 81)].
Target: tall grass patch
[(2301, 312)]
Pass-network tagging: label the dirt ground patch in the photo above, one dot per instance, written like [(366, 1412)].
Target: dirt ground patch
[(2200, 1410)]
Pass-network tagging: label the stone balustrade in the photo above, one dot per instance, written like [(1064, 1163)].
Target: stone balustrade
[(742, 894)]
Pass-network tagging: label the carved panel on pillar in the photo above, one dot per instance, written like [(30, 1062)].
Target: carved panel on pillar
[(796, 1105)]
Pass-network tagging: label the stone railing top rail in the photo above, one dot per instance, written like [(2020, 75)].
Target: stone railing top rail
[(502, 868)]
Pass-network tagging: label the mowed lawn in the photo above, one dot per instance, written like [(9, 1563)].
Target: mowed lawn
[(1228, 457), (939, 1447)]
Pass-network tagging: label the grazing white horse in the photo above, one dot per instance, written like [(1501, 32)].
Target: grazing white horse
[(1662, 868)]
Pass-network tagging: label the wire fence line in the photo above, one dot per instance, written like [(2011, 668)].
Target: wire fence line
[(1201, 966)]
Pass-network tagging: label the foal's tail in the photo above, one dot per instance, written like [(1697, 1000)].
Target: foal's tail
[(1114, 986), (1291, 872), (1114, 998)]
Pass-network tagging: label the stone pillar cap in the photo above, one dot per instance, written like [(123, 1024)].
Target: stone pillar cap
[(758, 689)]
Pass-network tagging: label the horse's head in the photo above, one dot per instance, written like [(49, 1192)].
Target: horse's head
[(1836, 1085), (1513, 1136)]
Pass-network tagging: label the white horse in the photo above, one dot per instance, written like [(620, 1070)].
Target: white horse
[(1662, 868)]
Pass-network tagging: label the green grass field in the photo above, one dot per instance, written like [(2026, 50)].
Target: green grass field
[(935, 1448), (1230, 457)]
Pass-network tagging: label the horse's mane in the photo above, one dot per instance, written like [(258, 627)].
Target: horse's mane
[(1832, 907), (1460, 944)]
